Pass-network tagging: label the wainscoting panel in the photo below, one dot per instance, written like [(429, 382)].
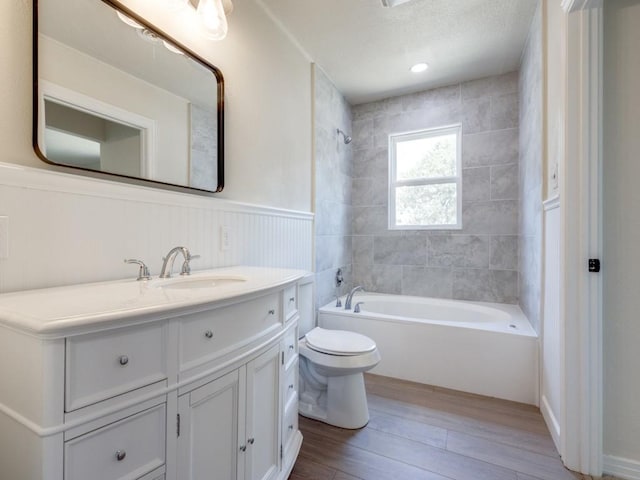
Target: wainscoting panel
[(65, 229)]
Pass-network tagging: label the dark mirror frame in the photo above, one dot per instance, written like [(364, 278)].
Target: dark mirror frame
[(194, 56)]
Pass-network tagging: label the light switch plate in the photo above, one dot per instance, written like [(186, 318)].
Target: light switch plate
[(4, 238)]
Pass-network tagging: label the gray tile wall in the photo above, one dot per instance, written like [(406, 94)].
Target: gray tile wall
[(530, 225), (333, 163), (479, 262)]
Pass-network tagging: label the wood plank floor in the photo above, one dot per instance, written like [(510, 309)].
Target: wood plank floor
[(420, 432)]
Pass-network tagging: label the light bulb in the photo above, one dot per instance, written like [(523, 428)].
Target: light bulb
[(213, 19)]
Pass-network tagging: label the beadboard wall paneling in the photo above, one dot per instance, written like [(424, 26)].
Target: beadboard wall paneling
[(65, 229)]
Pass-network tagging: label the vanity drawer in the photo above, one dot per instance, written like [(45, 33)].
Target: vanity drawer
[(290, 346), (125, 450), (290, 385), (207, 335), (290, 424), (290, 301), (106, 364)]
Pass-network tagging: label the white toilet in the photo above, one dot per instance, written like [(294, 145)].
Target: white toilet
[(331, 382)]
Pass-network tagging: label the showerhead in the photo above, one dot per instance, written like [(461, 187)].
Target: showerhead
[(346, 138)]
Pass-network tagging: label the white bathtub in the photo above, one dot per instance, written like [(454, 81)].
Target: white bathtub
[(484, 348)]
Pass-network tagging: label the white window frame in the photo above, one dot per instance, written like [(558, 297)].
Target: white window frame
[(396, 138)]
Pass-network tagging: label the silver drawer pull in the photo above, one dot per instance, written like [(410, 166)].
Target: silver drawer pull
[(123, 360), (208, 334), (121, 455), (243, 448), (251, 440), (292, 299), (272, 312), (290, 427)]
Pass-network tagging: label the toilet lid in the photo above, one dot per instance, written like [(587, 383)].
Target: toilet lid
[(339, 342)]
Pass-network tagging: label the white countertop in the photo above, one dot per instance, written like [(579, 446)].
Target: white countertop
[(60, 310)]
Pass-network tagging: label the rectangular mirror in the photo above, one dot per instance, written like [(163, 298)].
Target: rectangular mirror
[(115, 95)]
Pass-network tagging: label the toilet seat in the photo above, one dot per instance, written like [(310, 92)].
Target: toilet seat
[(339, 342)]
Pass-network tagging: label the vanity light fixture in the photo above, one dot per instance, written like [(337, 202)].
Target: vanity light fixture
[(213, 17), (211, 13), (129, 21), (419, 67), (176, 5)]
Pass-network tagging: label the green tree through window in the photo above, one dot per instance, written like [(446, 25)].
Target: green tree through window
[(425, 179)]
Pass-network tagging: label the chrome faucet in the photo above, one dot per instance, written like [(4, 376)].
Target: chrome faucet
[(347, 302), (167, 265)]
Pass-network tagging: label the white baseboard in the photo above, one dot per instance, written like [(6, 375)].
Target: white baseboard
[(621, 467), (550, 419)]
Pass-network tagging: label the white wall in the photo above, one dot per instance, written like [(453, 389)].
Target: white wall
[(68, 229), (621, 258)]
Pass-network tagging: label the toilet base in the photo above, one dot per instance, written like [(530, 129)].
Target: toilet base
[(343, 403)]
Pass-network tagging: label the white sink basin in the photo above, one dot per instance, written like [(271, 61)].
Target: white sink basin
[(189, 283)]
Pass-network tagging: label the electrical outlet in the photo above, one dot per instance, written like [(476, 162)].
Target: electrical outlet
[(4, 237), (225, 238)]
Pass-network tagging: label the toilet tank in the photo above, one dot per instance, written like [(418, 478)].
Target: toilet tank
[(306, 305)]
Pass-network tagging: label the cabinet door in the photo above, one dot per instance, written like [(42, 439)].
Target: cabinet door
[(210, 418), (263, 446)]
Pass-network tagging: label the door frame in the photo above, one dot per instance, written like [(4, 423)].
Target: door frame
[(581, 213)]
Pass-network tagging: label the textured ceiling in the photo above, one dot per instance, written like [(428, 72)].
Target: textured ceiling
[(367, 49)]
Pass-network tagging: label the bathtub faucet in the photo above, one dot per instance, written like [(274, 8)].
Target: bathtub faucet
[(347, 302)]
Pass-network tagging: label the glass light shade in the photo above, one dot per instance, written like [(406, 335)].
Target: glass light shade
[(213, 19), (129, 21), (171, 48), (175, 5)]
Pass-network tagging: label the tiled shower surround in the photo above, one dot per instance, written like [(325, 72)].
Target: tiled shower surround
[(530, 228), (333, 162), (478, 262)]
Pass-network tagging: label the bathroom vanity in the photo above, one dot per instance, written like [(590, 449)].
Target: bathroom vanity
[(184, 378)]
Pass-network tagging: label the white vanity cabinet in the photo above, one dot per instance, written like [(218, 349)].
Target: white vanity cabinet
[(230, 427), (198, 391)]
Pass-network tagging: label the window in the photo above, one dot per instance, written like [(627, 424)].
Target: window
[(425, 179)]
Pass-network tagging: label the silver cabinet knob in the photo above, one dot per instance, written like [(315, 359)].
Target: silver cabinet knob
[(251, 440), (121, 455), (272, 312), (208, 334), (290, 427), (291, 387), (291, 347), (123, 360), (243, 448), (292, 299)]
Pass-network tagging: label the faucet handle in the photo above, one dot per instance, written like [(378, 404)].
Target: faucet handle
[(338, 301), (186, 268), (356, 309), (143, 271)]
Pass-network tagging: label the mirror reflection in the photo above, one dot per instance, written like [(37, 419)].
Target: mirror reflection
[(117, 97)]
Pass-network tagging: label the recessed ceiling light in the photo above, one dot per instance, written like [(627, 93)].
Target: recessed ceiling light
[(419, 67)]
